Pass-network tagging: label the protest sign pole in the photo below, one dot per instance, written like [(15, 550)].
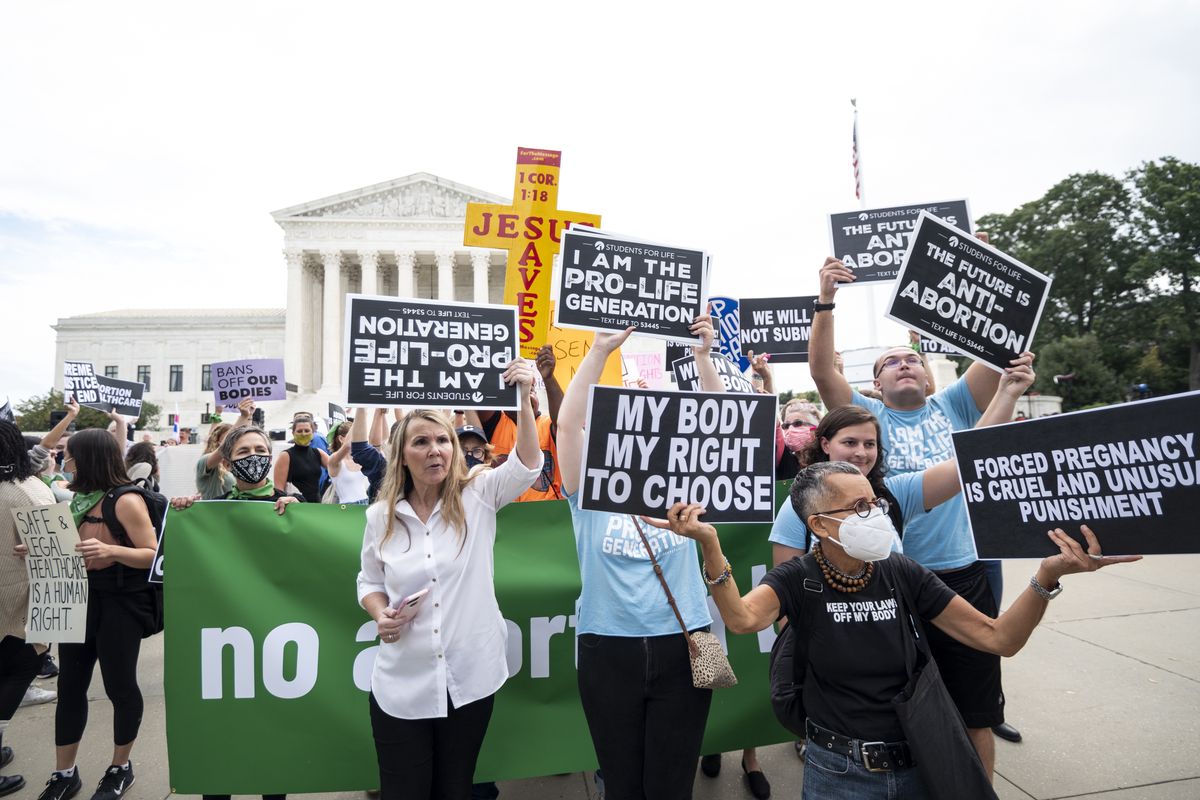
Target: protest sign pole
[(861, 194)]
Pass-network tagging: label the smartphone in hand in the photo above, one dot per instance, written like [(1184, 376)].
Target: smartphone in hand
[(408, 606)]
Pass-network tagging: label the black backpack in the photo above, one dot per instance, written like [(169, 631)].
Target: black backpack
[(134, 580), (789, 656)]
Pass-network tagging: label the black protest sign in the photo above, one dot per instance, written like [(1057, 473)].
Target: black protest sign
[(777, 325), (647, 450), (433, 354), (688, 377), (337, 413), (1128, 471), (609, 284), (969, 295), (872, 243), (103, 394), (933, 346), (675, 352)]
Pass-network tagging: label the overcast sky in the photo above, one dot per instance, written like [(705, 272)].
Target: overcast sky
[(144, 145)]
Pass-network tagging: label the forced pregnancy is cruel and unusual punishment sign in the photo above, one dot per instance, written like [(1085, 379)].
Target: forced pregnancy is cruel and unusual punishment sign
[(609, 284), (403, 352), (99, 392), (58, 585), (257, 378), (1129, 471), (648, 450), (780, 326), (872, 243), (969, 295), (687, 374)]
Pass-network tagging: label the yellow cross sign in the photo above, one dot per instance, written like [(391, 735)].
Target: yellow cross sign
[(530, 230)]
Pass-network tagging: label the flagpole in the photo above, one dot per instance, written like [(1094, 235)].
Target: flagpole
[(861, 194)]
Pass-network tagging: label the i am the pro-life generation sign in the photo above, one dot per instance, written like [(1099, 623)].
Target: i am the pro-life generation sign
[(647, 450), (872, 242), (429, 354), (58, 584), (967, 294), (609, 284), (1129, 471)]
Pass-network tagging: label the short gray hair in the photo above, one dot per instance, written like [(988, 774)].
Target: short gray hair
[(810, 489)]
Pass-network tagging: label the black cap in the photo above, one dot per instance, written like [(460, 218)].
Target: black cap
[(471, 430)]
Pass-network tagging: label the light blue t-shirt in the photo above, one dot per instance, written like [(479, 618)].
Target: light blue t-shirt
[(909, 491), (621, 595), (916, 440)]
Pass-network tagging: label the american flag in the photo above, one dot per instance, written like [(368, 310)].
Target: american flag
[(855, 160)]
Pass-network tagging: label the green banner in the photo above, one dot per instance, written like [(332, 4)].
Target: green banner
[(268, 655)]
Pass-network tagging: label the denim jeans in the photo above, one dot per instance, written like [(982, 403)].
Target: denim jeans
[(830, 776), (645, 717)]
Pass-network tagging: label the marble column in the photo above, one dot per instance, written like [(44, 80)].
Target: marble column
[(480, 266), (406, 261), (331, 317), (445, 275), (295, 317), (370, 271)]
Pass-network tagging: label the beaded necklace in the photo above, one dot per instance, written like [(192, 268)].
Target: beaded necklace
[(839, 580)]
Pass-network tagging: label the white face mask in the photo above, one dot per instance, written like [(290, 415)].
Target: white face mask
[(867, 539)]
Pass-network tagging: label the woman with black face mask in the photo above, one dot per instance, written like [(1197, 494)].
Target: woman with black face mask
[(475, 446), (247, 455)]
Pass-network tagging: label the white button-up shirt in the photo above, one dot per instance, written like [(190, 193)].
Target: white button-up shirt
[(456, 643)]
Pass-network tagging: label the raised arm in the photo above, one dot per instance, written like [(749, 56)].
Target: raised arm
[(1007, 634), (546, 362), (520, 372), (749, 614), (710, 379), (941, 480), (573, 415), (833, 387), (378, 428), (761, 365), (121, 431), (51, 438)]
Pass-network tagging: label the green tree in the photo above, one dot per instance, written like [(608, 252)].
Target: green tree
[(34, 414), (1083, 377), (1168, 224)]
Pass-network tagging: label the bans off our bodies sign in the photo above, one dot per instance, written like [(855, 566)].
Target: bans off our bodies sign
[(969, 295), (258, 379), (1129, 471), (647, 450), (428, 354), (872, 242)]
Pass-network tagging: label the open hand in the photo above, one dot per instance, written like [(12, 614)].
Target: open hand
[(684, 519), (1072, 559)]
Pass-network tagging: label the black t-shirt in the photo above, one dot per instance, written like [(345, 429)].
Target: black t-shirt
[(304, 471), (855, 648)]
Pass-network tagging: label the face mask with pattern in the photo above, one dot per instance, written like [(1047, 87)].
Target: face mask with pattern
[(250, 469)]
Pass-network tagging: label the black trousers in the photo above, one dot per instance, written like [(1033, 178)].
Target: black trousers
[(429, 759), (19, 665), (645, 717), (115, 624)]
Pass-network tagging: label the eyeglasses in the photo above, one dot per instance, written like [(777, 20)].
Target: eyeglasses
[(476, 452), (796, 424), (895, 361), (863, 507)]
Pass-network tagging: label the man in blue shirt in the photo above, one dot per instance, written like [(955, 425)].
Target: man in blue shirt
[(916, 435)]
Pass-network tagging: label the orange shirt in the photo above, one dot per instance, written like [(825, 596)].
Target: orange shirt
[(504, 437)]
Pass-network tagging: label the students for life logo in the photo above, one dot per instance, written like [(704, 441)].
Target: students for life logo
[(953, 242), (600, 247)]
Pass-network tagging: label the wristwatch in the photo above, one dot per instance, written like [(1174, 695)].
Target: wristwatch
[(1043, 591), (819, 306)]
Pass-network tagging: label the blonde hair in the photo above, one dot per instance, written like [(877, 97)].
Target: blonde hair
[(397, 482), (216, 435)]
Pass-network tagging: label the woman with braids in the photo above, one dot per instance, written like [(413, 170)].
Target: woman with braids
[(122, 609), (432, 529), (20, 487), (851, 434)]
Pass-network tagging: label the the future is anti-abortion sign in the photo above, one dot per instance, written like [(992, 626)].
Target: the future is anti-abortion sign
[(403, 352), (648, 450), (966, 294), (872, 242), (1129, 471)]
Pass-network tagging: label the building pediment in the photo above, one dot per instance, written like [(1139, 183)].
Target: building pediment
[(417, 197)]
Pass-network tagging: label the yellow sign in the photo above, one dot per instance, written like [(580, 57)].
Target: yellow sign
[(530, 230), (570, 346)]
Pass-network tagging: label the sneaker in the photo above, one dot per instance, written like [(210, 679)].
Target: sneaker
[(115, 783), (48, 669), (36, 695), (60, 787), (598, 778)]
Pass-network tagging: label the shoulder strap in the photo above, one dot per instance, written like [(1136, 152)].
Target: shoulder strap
[(808, 611), (916, 649), (670, 597), (108, 510)]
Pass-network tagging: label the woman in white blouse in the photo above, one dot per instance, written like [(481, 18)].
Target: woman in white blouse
[(434, 527)]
